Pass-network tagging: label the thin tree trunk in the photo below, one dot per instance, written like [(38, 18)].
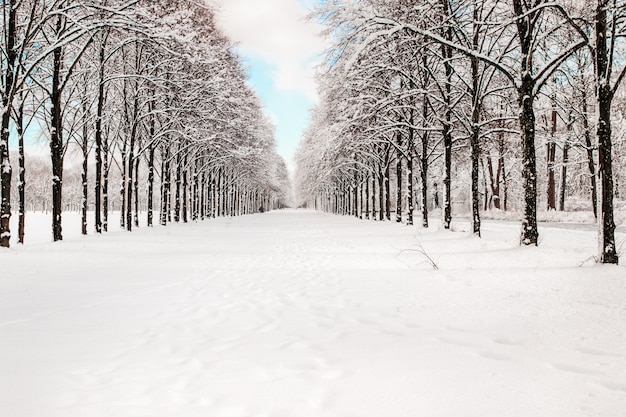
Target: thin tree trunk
[(150, 207), (123, 181), (447, 124), (367, 196), (21, 186), (105, 183), (590, 157), (98, 132), (56, 139), (178, 178), (424, 160), (185, 187), (85, 146), (399, 179), (165, 155), (381, 194), (566, 147), (136, 190), (387, 189), (551, 152)]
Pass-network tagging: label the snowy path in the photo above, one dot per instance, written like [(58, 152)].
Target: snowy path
[(295, 313)]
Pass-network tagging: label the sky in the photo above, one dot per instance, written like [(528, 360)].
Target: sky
[(280, 47)]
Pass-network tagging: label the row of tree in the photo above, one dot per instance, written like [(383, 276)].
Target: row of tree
[(467, 89), (148, 87)]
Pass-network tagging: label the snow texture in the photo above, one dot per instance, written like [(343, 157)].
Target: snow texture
[(296, 313)]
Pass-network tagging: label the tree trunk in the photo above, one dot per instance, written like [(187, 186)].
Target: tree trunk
[(85, 177), (178, 179), (399, 179), (530, 233), (195, 205), (6, 172), (165, 155), (381, 194), (387, 189), (566, 147), (56, 140), (526, 98), (551, 153), (606, 223), (150, 207), (131, 166), (475, 145), (185, 187), (505, 184), (590, 157), (98, 132), (123, 183), (21, 186), (136, 190), (105, 183), (424, 161), (410, 203)]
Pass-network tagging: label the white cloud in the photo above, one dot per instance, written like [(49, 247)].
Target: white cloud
[(277, 32)]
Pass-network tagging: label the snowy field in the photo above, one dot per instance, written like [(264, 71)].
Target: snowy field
[(295, 313)]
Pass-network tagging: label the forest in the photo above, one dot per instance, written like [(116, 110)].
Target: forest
[(144, 103), (470, 106)]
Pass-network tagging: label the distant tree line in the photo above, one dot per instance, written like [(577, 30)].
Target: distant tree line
[(469, 101), (147, 88)]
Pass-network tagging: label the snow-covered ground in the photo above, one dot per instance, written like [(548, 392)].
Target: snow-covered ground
[(295, 313)]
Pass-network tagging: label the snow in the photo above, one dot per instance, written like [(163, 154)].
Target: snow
[(296, 313)]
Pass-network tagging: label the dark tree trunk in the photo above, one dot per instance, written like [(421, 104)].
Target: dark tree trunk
[(381, 194), (85, 177), (566, 147), (150, 207), (551, 153), (387, 188), (178, 179), (373, 197), (367, 196), (56, 140), (447, 124), (21, 186), (410, 203), (185, 187), (165, 167), (105, 183), (98, 133), (136, 190), (424, 162), (6, 172), (123, 183), (195, 205), (606, 223), (505, 184), (131, 162), (399, 179), (494, 181), (475, 145), (526, 98), (205, 184), (530, 233), (475, 134), (590, 158)]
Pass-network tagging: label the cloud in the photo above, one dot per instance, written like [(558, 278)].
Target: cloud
[(277, 32)]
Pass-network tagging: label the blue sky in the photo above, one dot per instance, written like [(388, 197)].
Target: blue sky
[(280, 48), (287, 108)]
